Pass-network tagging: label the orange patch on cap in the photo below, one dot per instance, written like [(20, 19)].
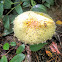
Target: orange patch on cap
[(33, 24)]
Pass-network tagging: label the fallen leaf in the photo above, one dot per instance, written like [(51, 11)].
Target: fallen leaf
[(49, 53), (59, 22), (54, 48), (55, 45)]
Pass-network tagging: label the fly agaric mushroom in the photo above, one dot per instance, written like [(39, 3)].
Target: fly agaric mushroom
[(34, 27)]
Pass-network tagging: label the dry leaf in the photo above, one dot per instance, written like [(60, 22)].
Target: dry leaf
[(54, 48), (49, 53), (59, 22)]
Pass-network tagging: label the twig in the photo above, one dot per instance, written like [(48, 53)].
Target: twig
[(9, 51), (59, 38), (37, 58), (58, 31)]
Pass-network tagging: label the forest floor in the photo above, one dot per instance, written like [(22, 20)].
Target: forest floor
[(40, 56)]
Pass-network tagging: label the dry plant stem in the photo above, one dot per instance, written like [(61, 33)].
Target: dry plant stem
[(59, 31), (60, 35), (59, 38), (9, 51), (1, 45), (56, 58), (28, 57), (37, 58), (53, 58)]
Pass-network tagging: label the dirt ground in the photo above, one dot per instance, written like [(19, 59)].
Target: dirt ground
[(40, 56)]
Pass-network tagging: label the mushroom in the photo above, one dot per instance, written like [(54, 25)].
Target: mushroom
[(34, 27)]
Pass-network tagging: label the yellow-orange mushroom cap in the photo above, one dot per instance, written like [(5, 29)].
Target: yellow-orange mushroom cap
[(34, 27)]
